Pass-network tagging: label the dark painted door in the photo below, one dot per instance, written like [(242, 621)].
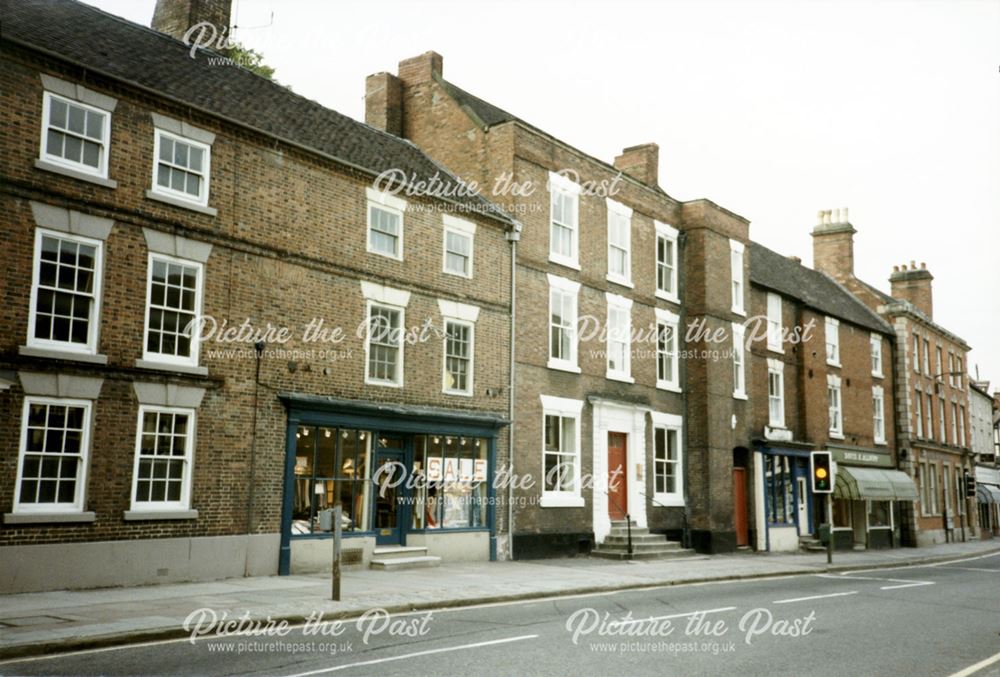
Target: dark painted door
[(740, 521)]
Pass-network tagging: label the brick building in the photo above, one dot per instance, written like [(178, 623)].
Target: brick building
[(982, 414), (144, 187), (630, 413), (931, 396), (821, 380)]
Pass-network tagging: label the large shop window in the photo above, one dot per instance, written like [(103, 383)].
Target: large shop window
[(450, 482), (779, 496), (331, 465), (879, 514)]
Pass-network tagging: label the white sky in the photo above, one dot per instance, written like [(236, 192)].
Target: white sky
[(771, 109)]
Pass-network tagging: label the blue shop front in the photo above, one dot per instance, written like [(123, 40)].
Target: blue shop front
[(410, 480)]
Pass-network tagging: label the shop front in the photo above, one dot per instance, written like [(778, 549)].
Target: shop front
[(868, 498), (785, 504), (988, 501), (404, 476)]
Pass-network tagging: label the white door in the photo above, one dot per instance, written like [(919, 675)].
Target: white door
[(804, 526)]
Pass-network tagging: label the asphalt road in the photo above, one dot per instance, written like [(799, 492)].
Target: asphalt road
[(928, 620)]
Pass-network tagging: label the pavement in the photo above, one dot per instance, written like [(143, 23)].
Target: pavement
[(40, 623)]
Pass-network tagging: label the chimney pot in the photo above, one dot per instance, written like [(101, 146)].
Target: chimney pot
[(923, 265), (913, 264)]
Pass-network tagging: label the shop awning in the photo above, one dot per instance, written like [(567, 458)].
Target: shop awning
[(988, 493), (874, 484)]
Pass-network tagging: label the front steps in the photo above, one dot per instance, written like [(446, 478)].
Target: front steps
[(644, 544), (810, 543), (393, 558)]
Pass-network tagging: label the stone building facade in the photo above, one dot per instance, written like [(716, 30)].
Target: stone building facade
[(137, 199)]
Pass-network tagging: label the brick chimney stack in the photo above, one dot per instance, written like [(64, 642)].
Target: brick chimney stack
[(914, 285), (833, 244), (641, 163), (420, 69), (175, 17), (384, 102)]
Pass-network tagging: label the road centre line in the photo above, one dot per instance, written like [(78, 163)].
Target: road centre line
[(972, 669), (810, 597), (428, 652)]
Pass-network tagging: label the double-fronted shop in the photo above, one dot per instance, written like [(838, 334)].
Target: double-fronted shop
[(405, 476)]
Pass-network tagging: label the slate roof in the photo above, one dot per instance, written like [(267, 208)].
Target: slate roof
[(138, 55), (815, 289), (490, 115)]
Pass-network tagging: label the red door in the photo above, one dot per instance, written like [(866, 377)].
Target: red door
[(617, 481), (740, 507)]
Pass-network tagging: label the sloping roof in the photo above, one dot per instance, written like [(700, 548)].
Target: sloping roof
[(484, 110), (815, 289), (138, 55)]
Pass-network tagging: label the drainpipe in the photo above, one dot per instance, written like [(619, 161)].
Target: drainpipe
[(513, 236), (682, 375), (259, 350)]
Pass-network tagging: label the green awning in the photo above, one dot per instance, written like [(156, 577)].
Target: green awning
[(873, 484), (987, 493)]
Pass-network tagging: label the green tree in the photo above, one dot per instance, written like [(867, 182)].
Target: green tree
[(250, 59)]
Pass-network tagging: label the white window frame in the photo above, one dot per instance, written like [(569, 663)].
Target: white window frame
[(929, 415), (960, 372), (100, 172), (93, 322), (942, 423), (619, 304), (954, 423), (572, 290), (916, 353), (737, 252), (951, 369), (617, 209), (835, 414), (927, 357), (669, 423), (369, 379), (832, 331), (739, 362), (83, 468), (389, 203), (775, 326), (939, 359), (961, 425), (876, 356), (561, 185), (776, 369), (918, 407), (878, 414), (184, 503), (160, 358), (671, 322), (669, 234), (462, 228), (206, 173), (564, 408), (465, 315)]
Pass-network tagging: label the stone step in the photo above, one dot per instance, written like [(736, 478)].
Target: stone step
[(621, 523), (622, 531), (396, 563), (636, 538), (679, 553), (393, 551), (661, 546)]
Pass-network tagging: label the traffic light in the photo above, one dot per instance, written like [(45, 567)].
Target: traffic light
[(821, 463), (970, 485)]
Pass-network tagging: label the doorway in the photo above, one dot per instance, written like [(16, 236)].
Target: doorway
[(740, 518), (805, 528), (617, 476), (390, 505)]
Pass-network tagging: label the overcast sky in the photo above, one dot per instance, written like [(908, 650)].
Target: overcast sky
[(773, 110)]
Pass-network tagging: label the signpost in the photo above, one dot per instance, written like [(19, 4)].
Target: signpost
[(337, 510), (821, 466)]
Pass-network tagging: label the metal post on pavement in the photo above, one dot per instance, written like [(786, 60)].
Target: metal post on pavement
[(829, 532), (337, 510)]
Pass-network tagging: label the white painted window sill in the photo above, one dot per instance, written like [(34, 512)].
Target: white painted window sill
[(668, 501), (152, 514), (182, 203), (556, 501), (568, 263), (75, 174), (836, 435), (671, 387), (92, 358), (620, 281), (740, 396), (166, 366), (563, 366), (667, 296), (48, 518), (618, 376)]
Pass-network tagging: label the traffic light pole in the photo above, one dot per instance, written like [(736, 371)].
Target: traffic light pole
[(829, 534)]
